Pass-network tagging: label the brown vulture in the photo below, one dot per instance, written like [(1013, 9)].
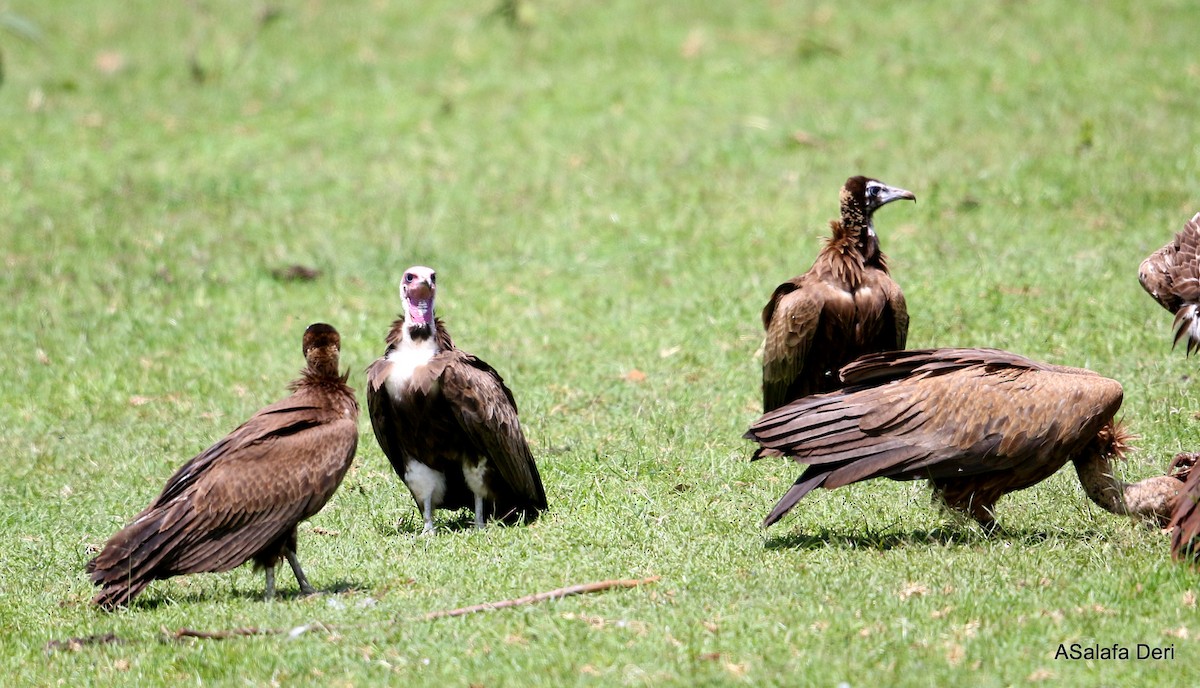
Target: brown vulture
[(241, 499), (845, 306), (977, 423), (446, 420), (1172, 276), (1185, 519)]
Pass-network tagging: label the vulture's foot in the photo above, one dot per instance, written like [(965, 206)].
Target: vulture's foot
[(305, 588)]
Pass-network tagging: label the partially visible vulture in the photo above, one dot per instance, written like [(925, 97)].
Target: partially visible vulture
[(241, 499), (977, 423), (845, 306), (1172, 276), (446, 420), (1185, 519)]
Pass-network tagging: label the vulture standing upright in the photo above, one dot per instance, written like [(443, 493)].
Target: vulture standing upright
[(242, 498), (1172, 276), (446, 420), (845, 306), (977, 423)]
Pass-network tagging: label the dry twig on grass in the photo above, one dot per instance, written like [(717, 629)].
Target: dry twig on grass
[(568, 591), (220, 635)]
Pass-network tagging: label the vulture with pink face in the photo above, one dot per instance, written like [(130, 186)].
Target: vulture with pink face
[(976, 423), (845, 306), (1172, 276), (446, 421), (242, 498)]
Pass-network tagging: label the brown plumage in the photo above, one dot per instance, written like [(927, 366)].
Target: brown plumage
[(446, 420), (1185, 518), (1172, 276), (977, 423), (242, 498), (845, 306)]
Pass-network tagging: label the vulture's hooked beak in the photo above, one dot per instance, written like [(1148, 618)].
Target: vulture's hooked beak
[(888, 194), (418, 290)]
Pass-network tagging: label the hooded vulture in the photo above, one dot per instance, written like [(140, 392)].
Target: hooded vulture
[(446, 420), (242, 498), (1172, 276), (845, 306), (977, 423)]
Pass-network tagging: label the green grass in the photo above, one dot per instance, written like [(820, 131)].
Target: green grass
[(603, 188)]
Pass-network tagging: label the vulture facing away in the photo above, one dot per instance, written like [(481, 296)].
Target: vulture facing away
[(1172, 276), (446, 420), (242, 498), (977, 423), (845, 306)]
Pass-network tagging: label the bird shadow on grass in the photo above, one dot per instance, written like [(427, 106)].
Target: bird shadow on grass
[(887, 540), (412, 526)]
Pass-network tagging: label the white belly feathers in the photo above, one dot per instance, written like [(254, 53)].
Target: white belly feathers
[(405, 360), (474, 475), (424, 482)]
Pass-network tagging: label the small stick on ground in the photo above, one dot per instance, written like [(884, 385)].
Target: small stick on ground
[(221, 635), (559, 593)]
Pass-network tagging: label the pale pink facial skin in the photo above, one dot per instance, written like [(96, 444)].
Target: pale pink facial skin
[(418, 287)]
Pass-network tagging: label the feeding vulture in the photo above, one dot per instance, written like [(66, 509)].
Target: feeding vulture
[(977, 423), (242, 498), (1172, 276), (446, 420), (845, 306)]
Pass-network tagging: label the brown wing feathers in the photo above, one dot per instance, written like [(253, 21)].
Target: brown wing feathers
[(791, 320), (487, 412), (1185, 519)]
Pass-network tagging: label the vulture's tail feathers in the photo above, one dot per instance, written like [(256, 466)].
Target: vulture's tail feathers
[(513, 513), (805, 484), (119, 593), (132, 558), (1187, 324), (765, 453)]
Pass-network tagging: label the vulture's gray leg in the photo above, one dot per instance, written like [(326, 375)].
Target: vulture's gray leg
[(479, 519), (294, 562), (269, 593), (428, 529)]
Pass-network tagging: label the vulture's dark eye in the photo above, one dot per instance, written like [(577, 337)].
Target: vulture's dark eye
[(433, 278), (408, 277)]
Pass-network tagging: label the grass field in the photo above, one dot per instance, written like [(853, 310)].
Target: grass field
[(609, 192)]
